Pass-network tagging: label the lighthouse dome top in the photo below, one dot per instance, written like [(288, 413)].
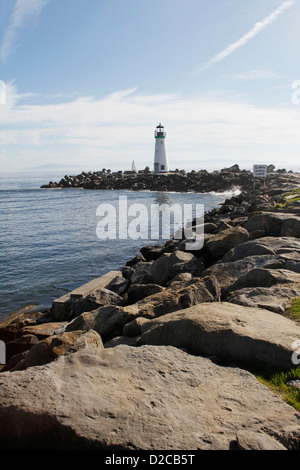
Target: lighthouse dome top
[(160, 132)]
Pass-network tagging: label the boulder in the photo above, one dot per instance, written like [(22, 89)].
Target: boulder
[(138, 292), (274, 224), (234, 333), (97, 299), (51, 348), (119, 285), (146, 398), (43, 330), (276, 299), (225, 240), (137, 259), (182, 277), (170, 264), (249, 440), (228, 273), (210, 227), (128, 340), (262, 277), (134, 327), (141, 273), (19, 345), (152, 252), (264, 246), (13, 323)]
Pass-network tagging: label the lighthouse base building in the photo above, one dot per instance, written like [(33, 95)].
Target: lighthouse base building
[(160, 157)]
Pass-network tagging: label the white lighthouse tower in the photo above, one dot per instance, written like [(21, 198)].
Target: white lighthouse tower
[(160, 157)]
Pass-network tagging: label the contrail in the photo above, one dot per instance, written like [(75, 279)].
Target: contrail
[(25, 11), (253, 32)]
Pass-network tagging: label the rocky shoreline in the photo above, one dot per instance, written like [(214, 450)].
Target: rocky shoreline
[(159, 354)]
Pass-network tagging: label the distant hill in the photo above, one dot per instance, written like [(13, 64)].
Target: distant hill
[(50, 166)]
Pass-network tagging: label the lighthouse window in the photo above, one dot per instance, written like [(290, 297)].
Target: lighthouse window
[(162, 167)]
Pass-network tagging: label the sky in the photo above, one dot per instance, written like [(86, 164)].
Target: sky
[(84, 83)]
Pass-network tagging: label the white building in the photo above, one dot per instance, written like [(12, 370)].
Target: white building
[(160, 157), (133, 167)]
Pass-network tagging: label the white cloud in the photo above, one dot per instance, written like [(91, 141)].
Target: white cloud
[(255, 74), (257, 28), (25, 12), (120, 127)]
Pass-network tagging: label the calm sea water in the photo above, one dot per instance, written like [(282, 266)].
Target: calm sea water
[(48, 240)]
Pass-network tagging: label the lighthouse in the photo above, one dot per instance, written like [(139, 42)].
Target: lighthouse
[(160, 156)]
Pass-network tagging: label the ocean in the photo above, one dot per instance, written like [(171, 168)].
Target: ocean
[(48, 238)]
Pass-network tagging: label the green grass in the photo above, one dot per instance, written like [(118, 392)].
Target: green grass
[(276, 380), (277, 383), (286, 199), (294, 311)]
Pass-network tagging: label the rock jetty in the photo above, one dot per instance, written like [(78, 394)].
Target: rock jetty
[(178, 180), (160, 353)]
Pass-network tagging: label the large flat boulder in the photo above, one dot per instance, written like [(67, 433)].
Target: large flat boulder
[(230, 332), (146, 398)]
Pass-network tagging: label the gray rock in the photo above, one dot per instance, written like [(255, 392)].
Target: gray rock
[(97, 299), (118, 340), (263, 246), (294, 383), (225, 240), (146, 398), (152, 252), (170, 264), (228, 331), (209, 227), (119, 285), (262, 277), (182, 277), (249, 440), (138, 292), (276, 299), (141, 273), (134, 327), (51, 348), (274, 224), (228, 273)]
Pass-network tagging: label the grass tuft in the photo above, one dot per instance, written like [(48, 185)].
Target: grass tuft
[(294, 311), (277, 383)]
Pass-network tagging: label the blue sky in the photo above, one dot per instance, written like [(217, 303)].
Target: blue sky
[(86, 82)]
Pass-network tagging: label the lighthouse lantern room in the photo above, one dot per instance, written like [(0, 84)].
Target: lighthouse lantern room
[(160, 156)]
